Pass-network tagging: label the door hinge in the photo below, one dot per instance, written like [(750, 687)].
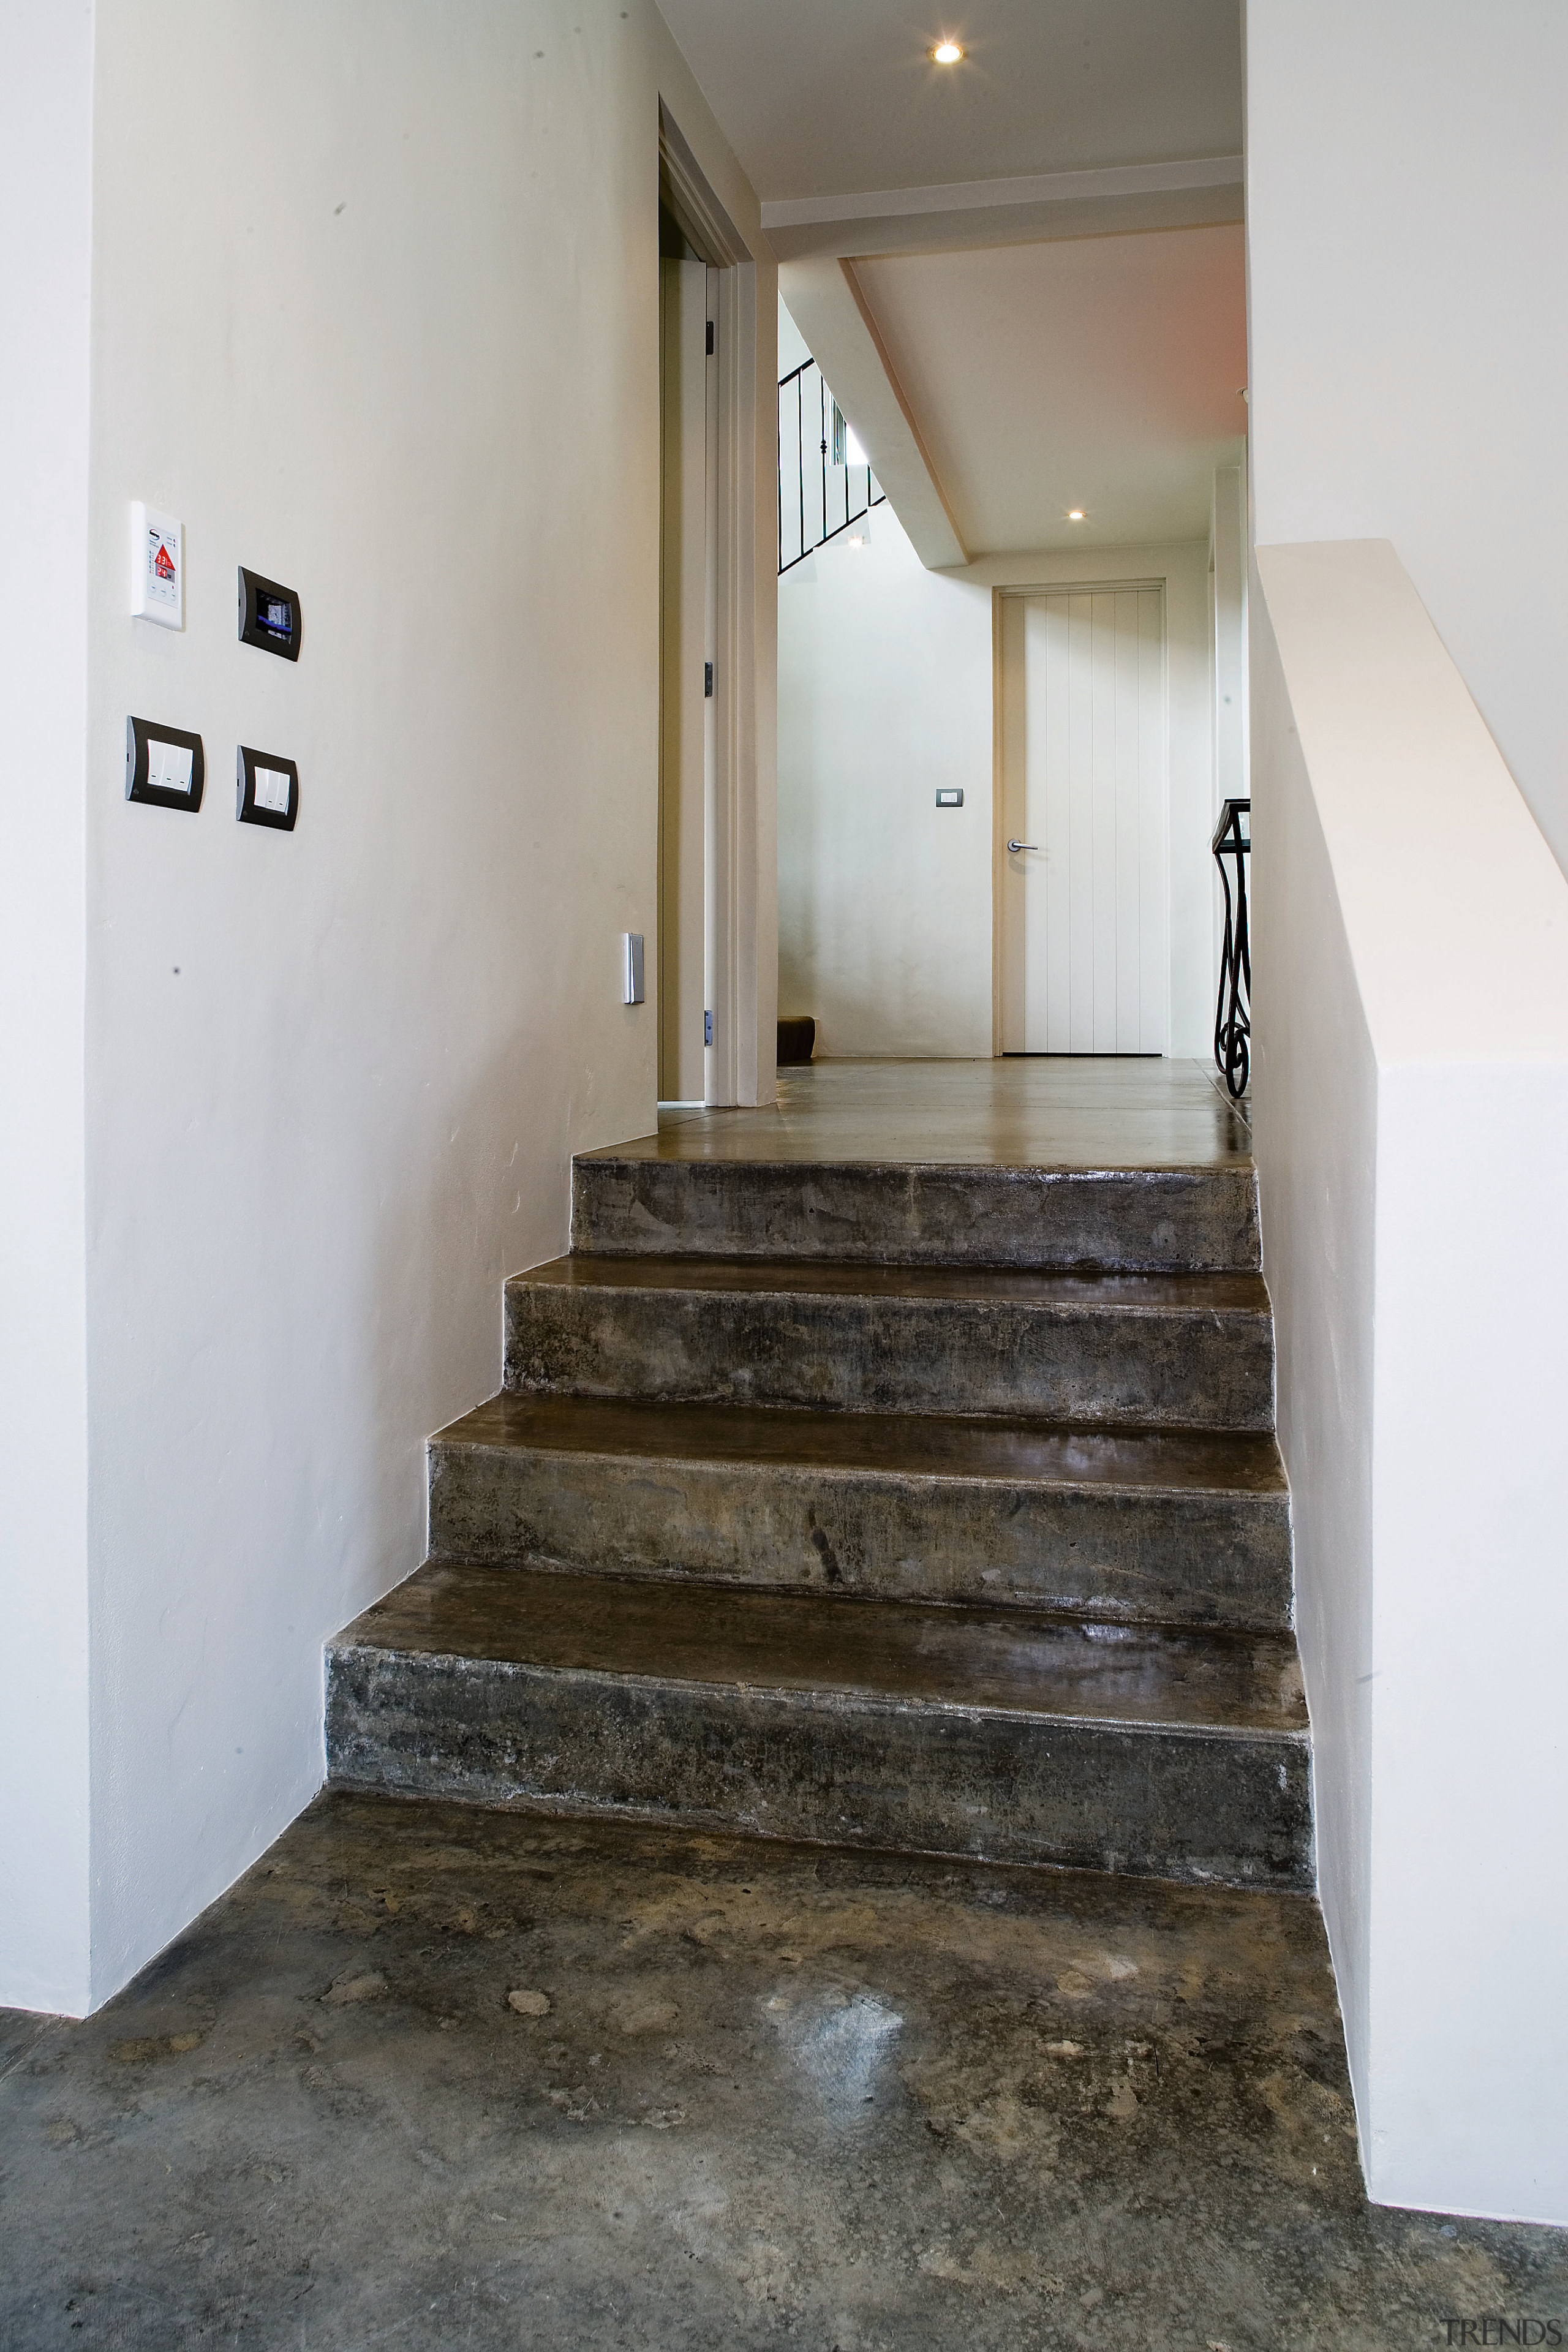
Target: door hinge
[(706, 680), (710, 337), (706, 1028)]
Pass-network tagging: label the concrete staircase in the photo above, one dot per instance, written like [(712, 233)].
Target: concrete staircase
[(933, 1507)]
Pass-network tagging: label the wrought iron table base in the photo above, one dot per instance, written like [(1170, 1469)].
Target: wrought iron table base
[(1233, 1014)]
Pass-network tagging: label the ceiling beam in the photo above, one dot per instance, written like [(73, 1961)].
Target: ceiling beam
[(824, 299), (1124, 196)]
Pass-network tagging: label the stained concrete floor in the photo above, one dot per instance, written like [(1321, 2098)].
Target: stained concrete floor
[(1056, 1110), (432, 2077)]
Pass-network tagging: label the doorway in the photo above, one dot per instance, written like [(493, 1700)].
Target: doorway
[(1081, 882), (688, 568)]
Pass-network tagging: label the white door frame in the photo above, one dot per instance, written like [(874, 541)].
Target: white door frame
[(680, 947), (999, 596), (742, 958)]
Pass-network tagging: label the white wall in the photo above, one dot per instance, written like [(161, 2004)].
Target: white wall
[(1314, 1093), (1411, 1090), (1407, 198), (884, 899), (793, 351), (885, 692), (45, 131), (1228, 623), (1407, 209), (388, 331)]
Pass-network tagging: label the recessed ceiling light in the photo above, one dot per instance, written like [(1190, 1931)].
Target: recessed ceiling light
[(946, 53), (1075, 514)]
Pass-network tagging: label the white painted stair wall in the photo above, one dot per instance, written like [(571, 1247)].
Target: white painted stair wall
[(1410, 1084)]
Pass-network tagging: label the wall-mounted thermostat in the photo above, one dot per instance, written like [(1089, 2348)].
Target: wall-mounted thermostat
[(157, 567), (631, 989), (163, 766), (266, 789), (950, 799), (268, 615)]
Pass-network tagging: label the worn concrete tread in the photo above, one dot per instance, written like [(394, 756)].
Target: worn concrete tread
[(1071, 1292), (1038, 1668), (905, 1446), (675, 1147), (1052, 1111)]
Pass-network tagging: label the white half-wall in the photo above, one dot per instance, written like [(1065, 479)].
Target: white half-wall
[(886, 689), (1410, 955), (1407, 215), (1406, 200), (373, 310)]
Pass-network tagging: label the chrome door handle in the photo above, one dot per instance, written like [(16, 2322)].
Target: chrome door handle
[(1023, 844)]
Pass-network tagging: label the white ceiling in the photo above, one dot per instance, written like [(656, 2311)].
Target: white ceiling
[(1101, 372), (1001, 352), (824, 97)]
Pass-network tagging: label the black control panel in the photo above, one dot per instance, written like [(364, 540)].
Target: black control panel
[(268, 615)]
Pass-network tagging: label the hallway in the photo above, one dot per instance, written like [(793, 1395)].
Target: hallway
[(398, 1417)]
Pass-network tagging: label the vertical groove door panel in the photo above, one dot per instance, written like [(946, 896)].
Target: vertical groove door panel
[(1012, 937), (1082, 912), (1039, 878), (1072, 686), (1127, 945), (1154, 856)]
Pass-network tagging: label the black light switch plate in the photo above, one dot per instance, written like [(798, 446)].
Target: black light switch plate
[(164, 766), (266, 789)]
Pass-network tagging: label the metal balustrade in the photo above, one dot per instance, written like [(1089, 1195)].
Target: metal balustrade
[(820, 493)]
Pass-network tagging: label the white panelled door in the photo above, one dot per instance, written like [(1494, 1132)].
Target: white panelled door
[(1081, 897)]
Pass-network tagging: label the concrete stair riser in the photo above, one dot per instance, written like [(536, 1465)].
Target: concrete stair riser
[(1226, 1807), (1137, 1220), (1195, 1558), (1109, 1360)]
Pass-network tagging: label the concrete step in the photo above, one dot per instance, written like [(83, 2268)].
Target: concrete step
[(1173, 1527), (1114, 1350), (1150, 1220), (996, 1736)]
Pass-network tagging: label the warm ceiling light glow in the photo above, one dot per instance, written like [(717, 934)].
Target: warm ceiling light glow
[(946, 53), (1075, 514)]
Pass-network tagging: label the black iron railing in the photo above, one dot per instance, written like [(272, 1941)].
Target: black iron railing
[(1232, 1016), (819, 493)]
